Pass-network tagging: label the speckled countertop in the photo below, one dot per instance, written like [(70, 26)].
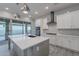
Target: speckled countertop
[(24, 42)]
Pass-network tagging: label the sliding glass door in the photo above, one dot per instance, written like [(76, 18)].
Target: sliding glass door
[(17, 28), (28, 29), (21, 28), (2, 30)]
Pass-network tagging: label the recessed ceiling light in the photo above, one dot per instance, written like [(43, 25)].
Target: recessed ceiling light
[(6, 8), (36, 12), (46, 7), (25, 12)]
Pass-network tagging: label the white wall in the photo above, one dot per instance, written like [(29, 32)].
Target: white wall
[(52, 28), (25, 19)]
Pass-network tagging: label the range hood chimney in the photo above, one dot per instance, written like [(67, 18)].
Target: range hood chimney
[(51, 18)]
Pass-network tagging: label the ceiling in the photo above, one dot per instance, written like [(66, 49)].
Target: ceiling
[(39, 7)]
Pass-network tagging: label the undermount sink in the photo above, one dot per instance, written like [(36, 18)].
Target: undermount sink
[(32, 36)]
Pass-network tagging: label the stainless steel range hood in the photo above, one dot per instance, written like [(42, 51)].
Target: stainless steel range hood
[(51, 18)]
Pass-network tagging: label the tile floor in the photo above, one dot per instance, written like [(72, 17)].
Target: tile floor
[(4, 50), (54, 51), (60, 51)]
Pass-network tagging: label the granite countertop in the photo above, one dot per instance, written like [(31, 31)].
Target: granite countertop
[(26, 42)]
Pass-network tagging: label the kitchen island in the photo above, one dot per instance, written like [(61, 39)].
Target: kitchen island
[(30, 46)]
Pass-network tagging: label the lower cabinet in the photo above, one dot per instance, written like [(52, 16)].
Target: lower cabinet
[(52, 39), (68, 41), (41, 49)]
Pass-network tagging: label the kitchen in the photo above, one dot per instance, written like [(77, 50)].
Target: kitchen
[(52, 31)]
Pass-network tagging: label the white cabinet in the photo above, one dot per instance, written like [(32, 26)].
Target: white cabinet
[(64, 21), (52, 39), (59, 21), (68, 41), (44, 23), (69, 20), (37, 22), (75, 19)]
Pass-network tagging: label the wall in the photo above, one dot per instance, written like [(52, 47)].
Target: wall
[(26, 19), (52, 28)]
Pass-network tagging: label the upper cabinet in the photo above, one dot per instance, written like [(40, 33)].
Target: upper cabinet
[(42, 22), (37, 22), (75, 19), (59, 21), (69, 20), (44, 25), (64, 21)]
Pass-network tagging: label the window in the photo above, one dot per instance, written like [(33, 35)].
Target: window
[(21, 28), (28, 28), (2, 30), (17, 28)]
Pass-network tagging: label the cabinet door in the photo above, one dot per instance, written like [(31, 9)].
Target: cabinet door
[(59, 21), (44, 26), (41, 49), (75, 19), (64, 21), (67, 20), (37, 23)]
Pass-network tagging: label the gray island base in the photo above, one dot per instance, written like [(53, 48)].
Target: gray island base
[(27, 46)]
